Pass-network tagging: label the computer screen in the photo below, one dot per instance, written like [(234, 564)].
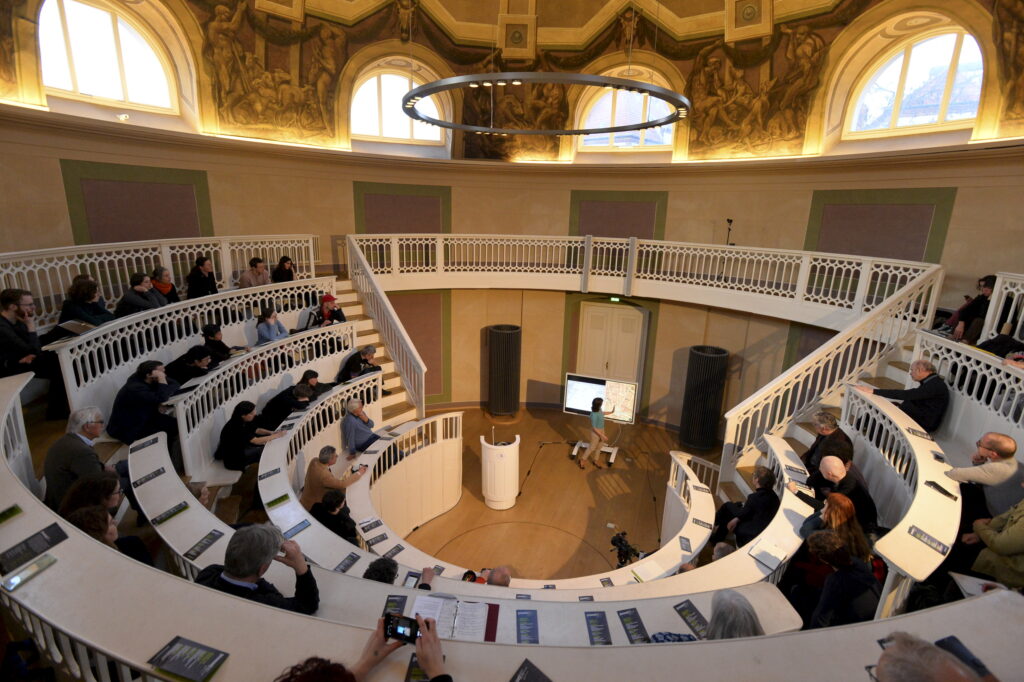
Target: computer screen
[(581, 390)]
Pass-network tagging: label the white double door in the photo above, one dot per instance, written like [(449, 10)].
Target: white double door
[(611, 341)]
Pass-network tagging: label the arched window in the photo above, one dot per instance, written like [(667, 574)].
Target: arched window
[(619, 107), (91, 52), (929, 83), (376, 111)]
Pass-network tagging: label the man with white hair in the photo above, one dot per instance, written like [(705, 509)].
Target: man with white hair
[(72, 455), (925, 404), (357, 428), (845, 483), (248, 556), (826, 426), (911, 659)]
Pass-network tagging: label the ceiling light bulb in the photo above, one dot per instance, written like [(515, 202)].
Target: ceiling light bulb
[(502, 83), (488, 84), (474, 85), (517, 82)]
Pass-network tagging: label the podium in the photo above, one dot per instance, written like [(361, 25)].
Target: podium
[(500, 473)]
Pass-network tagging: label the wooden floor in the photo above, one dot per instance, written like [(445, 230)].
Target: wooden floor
[(558, 527)]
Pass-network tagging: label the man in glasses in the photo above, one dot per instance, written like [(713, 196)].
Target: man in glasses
[(996, 478), (72, 455), (21, 350)]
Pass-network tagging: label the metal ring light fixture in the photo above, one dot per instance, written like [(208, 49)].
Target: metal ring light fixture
[(680, 106)]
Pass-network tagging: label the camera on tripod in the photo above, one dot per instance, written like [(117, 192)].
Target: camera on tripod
[(626, 551)]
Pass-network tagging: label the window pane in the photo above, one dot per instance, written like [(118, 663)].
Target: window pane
[(93, 50), (926, 81), (963, 101), (629, 109), (143, 72), (394, 122), (420, 130), (364, 120), (874, 109), (52, 52), (656, 109), (600, 116)]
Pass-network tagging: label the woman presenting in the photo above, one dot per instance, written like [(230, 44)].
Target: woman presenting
[(597, 435)]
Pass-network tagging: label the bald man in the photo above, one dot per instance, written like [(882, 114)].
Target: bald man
[(500, 575), (997, 472), (844, 483)]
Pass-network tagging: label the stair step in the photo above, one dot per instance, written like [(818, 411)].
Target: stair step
[(398, 395), (883, 383), (747, 474), (391, 412), (900, 365), (227, 509), (731, 491), (798, 447), (391, 379)]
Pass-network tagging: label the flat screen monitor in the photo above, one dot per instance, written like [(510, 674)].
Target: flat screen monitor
[(581, 390)]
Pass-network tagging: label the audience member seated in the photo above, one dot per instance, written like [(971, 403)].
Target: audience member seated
[(311, 378), (284, 272), (925, 404), (332, 512), (319, 478), (747, 519), (385, 570), (327, 313), (993, 484), (1002, 542), (255, 276), (844, 483), (21, 350), (241, 440), (84, 303), (292, 399), (500, 575), (268, 327), (72, 456), (138, 411), (843, 450), (906, 658), (721, 549), (357, 428), (851, 592), (428, 654), (139, 297), (972, 315), (359, 364), (213, 339), (828, 432), (732, 616), (201, 281), (193, 364), (247, 558), (162, 284), (839, 516), (97, 522), (103, 489)]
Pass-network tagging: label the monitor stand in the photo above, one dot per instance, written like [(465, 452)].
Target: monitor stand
[(612, 451)]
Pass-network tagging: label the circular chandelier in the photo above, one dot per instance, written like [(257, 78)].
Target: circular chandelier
[(679, 106)]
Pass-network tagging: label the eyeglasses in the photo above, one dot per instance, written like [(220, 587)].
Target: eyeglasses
[(871, 671), (982, 447), (27, 305)]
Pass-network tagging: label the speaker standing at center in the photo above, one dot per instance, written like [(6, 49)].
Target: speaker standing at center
[(504, 345), (702, 402)]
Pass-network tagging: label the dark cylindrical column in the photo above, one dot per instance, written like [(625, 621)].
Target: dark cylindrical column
[(702, 402), (504, 344)]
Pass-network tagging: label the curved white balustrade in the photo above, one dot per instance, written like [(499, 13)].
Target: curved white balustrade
[(255, 376), (897, 465), (47, 273), (96, 364), (985, 395)]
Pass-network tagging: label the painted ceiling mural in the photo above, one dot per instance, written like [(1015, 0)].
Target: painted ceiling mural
[(273, 68)]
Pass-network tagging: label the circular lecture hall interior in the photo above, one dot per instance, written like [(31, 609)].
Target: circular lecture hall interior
[(488, 340)]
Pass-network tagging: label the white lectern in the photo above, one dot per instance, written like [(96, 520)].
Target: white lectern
[(500, 465)]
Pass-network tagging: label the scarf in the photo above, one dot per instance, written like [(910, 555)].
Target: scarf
[(163, 288)]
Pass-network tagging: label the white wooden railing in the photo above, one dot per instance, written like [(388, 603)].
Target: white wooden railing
[(1005, 308), (14, 439), (407, 360), (96, 364), (837, 362), (897, 465), (253, 376), (47, 273)]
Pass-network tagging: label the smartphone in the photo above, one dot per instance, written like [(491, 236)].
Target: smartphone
[(402, 628), (411, 579)]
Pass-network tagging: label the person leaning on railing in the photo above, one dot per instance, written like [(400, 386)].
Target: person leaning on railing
[(319, 478), (193, 364), (925, 404), (84, 303), (201, 281), (242, 440)]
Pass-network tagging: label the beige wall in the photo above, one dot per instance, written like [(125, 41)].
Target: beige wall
[(261, 188)]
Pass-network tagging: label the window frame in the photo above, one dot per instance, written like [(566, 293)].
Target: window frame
[(623, 71), (152, 40), (374, 72), (905, 48)]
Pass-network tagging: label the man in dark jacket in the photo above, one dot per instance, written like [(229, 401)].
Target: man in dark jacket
[(925, 404), (828, 433), (193, 364), (844, 483), (248, 557), (136, 412), (72, 456), (747, 519), (141, 296), (19, 344), (292, 399), (333, 514)]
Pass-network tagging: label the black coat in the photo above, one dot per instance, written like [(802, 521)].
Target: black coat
[(306, 599), (755, 515), (200, 283), (925, 404), (135, 412)]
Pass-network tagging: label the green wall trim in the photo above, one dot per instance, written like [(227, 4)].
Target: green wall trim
[(570, 335), (942, 198), (792, 345), (361, 189), (73, 172), (578, 196), (445, 396)]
